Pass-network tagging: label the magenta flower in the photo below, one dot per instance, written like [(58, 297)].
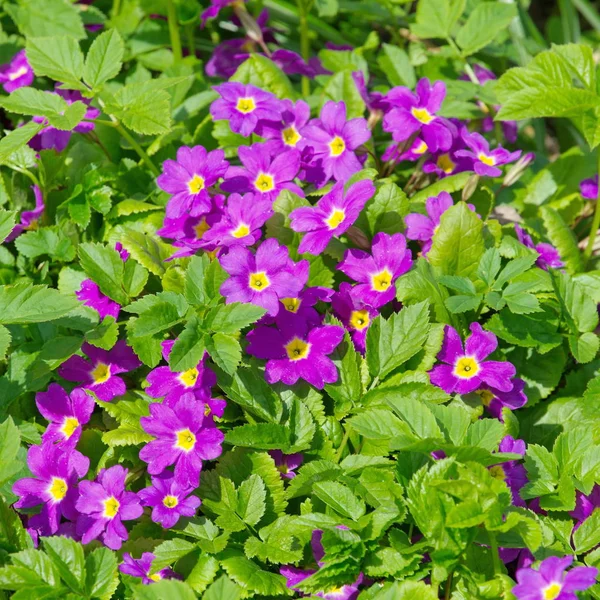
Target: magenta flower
[(589, 188), (294, 352), (243, 105), (263, 174), (548, 254), (334, 140), (104, 505), (215, 7), (495, 400), (353, 313), (171, 385), (262, 279), (189, 179), (67, 414), (99, 374), (376, 273), (466, 370), (287, 463), (417, 149), (142, 567), (227, 57), (485, 161), (29, 218), (241, 222), (182, 438), (291, 63), (550, 581), (170, 499), (55, 473), (301, 308), (16, 74), (374, 101), (332, 216), (585, 505), (411, 113), (294, 576), (512, 472), (285, 134)]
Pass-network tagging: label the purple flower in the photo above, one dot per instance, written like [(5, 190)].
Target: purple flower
[(227, 57), (589, 188), (171, 385), (334, 140), (417, 150), (241, 222), (550, 581), (296, 352), (585, 505), (214, 8), (243, 105), (286, 463), (294, 576), (512, 472), (301, 308), (29, 218), (16, 74), (411, 113), (189, 178), (332, 216), (466, 369), (141, 567), (169, 498), (495, 400), (485, 161), (182, 439), (285, 134), (55, 473), (353, 313), (374, 101), (548, 254), (264, 278), (292, 63), (377, 272), (104, 505), (67, 414), (90, 295), (99, 374), (263, 174)]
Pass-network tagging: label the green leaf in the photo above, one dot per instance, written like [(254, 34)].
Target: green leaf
[(67, 555), (189, 347), (49, 241), (264, 436), (563, 238), (230, 318), (104, 266), (56, 57), (104, 59), (341, 87), (53, 17), (167, 588), (29, 101), (396, 65), (148, 250), (340, 499), (7, 223), (195, 292), (587, 535), (262, 72), (436, 18), (385, 211), (10, 440), (458, 244), (461, 303), (584, 347), (251, 500), (169, 552), (225, 350), (5, 339), (203, 573), (347, 390), (483, 25), (223, 589), (417, 416), (25, 303), (16, 139), (159, 317), (378, 424), (101, 570), (391, 342), (311, 473)]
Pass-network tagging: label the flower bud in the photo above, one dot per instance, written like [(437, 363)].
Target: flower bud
[(515, 172), (470, 186)]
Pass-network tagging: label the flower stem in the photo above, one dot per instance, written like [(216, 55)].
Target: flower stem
[(304, 45), (495, 555), (191, 40), (174, 31), (595, 224), (141, 152), (116, 9), (343, 445)]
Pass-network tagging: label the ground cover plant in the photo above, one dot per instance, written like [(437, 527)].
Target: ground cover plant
[(299, 300)]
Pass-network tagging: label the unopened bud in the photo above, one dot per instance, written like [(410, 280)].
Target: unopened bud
[(515, 172), (356, 236), (252, 28), (470, 186)]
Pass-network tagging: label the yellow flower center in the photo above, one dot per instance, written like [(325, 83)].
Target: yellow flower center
[(337, 146), (186, 440), (18, 73), (101, 373), (245, 105), (291, 304), (58, 488), (497, 472), (196, 184), (242, 231), (264, 183), (201, 228), (206, 410), (170, 501), (422, 115), (111, 507), (466, 367), (282, 469), (259, 281), (69, 426), (421, 148), (486, 397), (155, 577), (381, 281), (552, 591), (359, 319), (290, 136), (189, 377), (445, 163), (336, 218), (490, 161), (297, 349), (33, 225)]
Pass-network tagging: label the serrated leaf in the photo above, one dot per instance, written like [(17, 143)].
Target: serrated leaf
[(486, 21), (230, 318), (67, 555), (104, 266), (56, 57), (225, 350), (104, 58), (340, 499), (251, 500)]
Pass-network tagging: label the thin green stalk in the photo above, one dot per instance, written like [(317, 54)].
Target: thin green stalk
[(304, 45), (174, 31), (141, 152), (570, 22), (190, 31), (343, 445), (588, 12), (595, 224), (116, 9), (495, 554)]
